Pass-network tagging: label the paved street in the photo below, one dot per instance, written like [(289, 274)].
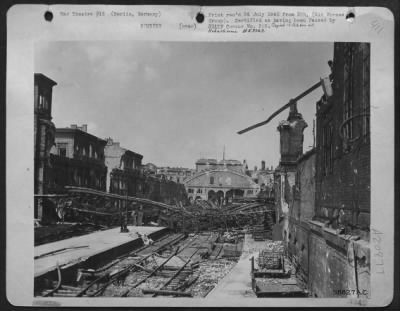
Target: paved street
[(238, 281)]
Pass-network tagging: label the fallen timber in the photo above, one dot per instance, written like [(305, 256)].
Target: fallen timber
[(291, 103), (172, 208)]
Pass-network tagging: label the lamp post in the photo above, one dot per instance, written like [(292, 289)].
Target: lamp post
[(126, 210)]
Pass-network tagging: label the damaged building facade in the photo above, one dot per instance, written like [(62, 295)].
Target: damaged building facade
[(71, 156), (160, 189), (44, 133), (123, 169), (323, 196), (264, 177), (78, 159)]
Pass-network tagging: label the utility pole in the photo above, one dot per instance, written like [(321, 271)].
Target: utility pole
[(126, 209)]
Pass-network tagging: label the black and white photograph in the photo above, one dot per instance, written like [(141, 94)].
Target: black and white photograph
[(205, 170), (147, 185)]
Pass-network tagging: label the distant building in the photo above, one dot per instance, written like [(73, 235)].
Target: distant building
[(78, 159), (264, 177), (220, 182), (123, 169), (149, 169), (176, 174), (44, 132), (213, 164)]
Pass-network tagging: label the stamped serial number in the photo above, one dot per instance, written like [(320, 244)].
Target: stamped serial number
[(347, 292)]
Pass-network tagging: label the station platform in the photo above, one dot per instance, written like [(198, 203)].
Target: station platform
[(238, 282), (75, 250)]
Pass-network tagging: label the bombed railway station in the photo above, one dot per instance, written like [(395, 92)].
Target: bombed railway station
[(106, 225)]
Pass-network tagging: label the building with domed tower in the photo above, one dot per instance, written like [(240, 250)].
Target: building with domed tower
[(220, 182)]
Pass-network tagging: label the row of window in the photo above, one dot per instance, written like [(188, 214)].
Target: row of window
[(43, 102), (356, 83), (62, 150), (191, 190), (78, 178), (352, 76)]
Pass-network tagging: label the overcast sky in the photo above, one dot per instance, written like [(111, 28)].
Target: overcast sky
[(176, 102)]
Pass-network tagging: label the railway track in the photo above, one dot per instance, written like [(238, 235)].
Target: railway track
[(135, 265), (184, 276), (112, 271)]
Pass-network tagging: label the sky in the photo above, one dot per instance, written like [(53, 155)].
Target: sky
[(176, 102)]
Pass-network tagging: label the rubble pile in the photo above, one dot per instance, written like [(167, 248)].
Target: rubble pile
[(210, 273), (117, 291), (118, 288), (275, 246), (153, 283)]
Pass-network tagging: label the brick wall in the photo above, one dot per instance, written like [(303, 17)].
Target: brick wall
[(343, 186), (328, 233)]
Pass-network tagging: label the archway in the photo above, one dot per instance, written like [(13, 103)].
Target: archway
[(220, 197), (239, 193), (211, 196), (229, 196)]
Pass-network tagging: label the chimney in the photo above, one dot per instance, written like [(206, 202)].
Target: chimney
[(291, 136), (74, 126), (263, 165), (109, 141), (84, 128)]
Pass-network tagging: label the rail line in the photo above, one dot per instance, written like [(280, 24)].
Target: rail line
[(104, 274), (183, 277), (134, 262)]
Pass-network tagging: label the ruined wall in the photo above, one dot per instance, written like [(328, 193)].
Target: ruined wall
[(343, 143), (67, 143), (112, 154), (285, 178), (44, 131), (332, 264), (327, 234), (164, 191), (306, 177), (76, 172), (325, 261), (172, 192), (299, 248), (124, 182), (300, 212)]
